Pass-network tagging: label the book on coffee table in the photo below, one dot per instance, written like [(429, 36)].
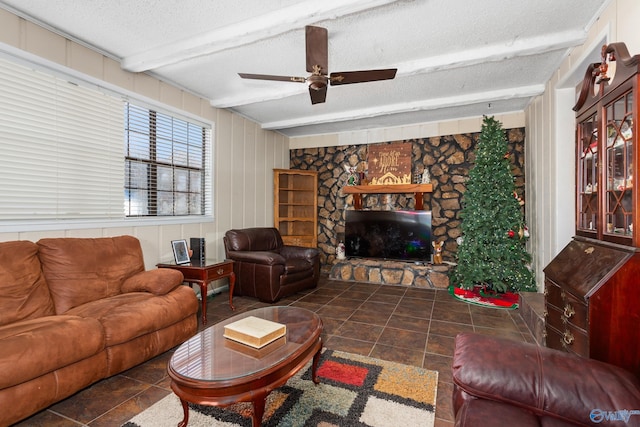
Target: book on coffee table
[(254, 331), (256, 353)]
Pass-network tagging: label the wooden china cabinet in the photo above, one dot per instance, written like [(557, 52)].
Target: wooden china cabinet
[(592, 286)]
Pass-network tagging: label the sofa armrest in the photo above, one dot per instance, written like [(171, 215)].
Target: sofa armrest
[(257, 257), (539, 379), (289, 252), (158, 282)]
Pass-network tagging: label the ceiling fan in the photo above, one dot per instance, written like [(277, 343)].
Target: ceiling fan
[(317, 60)]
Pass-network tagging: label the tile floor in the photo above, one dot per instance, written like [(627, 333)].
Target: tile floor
[(401, 324)]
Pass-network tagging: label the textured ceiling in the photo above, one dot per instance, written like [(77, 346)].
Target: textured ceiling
[(455, 58)]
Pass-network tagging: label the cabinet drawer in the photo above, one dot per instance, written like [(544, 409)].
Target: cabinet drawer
[(553, 294), (553, 339), (575, 340), (568, 339), (220, 271), (554, 317), (575, 311), (570, 308)]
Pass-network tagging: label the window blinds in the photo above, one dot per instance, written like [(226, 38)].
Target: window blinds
[(167, 164), (61, 149)]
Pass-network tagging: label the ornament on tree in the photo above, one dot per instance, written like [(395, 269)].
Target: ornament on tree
[(518, 198), (523, 232), (511, 234)]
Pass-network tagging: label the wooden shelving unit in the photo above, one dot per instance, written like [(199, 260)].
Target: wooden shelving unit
[(296, 206), (417, 189)]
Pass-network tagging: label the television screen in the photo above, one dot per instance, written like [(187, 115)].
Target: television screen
[(394, 235)]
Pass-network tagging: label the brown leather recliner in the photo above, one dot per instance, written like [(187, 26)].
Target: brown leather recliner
[(499, 382), (268, 269)]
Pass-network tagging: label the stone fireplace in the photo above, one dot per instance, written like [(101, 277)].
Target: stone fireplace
[(448, 159)]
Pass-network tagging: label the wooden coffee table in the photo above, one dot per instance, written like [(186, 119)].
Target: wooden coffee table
[(209, 369)]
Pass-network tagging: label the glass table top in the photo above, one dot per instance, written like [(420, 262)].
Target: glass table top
[(209, 356)]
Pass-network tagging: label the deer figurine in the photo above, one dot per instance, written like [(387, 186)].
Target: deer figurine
[(437, 253)]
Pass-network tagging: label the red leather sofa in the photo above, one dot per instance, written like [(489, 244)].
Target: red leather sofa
[(498, 382), (74, 311)]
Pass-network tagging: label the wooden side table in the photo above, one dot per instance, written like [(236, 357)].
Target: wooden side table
[(204, 273)]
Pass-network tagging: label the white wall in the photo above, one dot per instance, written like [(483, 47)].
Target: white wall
[(244, 155), (423, 130), (550, 124)]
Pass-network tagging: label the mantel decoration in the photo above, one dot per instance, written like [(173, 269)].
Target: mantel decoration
[(352, 177), (389, 164), (492, 257)]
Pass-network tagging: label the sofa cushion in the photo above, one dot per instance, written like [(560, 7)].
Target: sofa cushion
[(23, 291), (296, 270), (128, 316), (31, 348), (295, 265), (159, 282), (80, 270), (254, 239), (480, 412)]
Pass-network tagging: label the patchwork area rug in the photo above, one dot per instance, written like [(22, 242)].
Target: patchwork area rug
[(354, 391), (477, 296)]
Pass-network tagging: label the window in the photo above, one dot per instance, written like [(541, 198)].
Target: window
[(165, 166), (63, 164), (60, 149)]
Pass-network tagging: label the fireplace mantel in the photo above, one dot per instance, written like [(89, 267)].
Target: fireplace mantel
[(417, 189)]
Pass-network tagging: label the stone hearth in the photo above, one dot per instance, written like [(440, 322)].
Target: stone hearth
[(391, 273)]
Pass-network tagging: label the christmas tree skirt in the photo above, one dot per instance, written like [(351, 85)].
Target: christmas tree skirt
[(479, 296)]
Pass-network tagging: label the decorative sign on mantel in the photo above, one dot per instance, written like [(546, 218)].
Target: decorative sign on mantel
[(389, 164)]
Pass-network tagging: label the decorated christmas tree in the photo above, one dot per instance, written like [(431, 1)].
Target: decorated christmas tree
[(492, 254)]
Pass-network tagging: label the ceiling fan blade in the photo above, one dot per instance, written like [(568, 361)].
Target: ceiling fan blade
[(348, 77), (317, 49), (270, 77), (318, 96)]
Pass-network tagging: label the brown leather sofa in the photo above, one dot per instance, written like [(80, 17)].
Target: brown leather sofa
[(74, 311), (498, 382), (268, 269)]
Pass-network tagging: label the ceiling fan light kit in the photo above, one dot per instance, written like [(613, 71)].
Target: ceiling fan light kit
[(316, 40)]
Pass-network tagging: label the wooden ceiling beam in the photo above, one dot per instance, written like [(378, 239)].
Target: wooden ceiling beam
[(407, 107), (249, 31)]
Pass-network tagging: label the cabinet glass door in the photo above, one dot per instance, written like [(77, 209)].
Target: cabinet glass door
[(619, 169), (588, 175)]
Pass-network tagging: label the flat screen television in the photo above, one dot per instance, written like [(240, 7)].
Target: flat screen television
[(393, 235)]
